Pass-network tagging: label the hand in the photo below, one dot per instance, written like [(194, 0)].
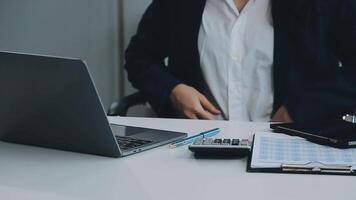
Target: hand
[(192, 104), (282, 115)]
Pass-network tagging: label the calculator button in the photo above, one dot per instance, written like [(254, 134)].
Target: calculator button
[(217, 141), (235, 142), (208, 141), (198, 142), (245, 142), (226, 141)]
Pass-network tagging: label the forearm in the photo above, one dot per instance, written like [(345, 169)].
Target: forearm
[(146, 53)]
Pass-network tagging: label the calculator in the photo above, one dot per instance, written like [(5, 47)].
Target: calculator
[(221, 147)]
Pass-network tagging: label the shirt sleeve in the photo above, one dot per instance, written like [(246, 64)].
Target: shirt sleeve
[(145, 57)]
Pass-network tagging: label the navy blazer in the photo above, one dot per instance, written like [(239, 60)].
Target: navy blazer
[(314, 55)]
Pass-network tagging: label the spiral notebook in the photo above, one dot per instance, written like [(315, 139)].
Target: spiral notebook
[(279, 153)]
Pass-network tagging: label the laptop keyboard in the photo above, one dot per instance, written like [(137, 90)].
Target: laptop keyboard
[(127, 143)]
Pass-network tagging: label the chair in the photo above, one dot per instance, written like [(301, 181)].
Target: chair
[(121, 106)]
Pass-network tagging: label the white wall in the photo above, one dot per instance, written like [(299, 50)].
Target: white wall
[(86, 29)]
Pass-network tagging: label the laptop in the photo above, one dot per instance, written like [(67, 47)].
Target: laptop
[(52, 102)]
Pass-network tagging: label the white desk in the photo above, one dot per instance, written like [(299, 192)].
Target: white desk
[(162, 173)]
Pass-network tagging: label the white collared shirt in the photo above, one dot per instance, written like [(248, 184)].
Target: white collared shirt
[(236, 55)]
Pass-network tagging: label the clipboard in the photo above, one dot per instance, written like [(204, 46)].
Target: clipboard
[(315, 167)]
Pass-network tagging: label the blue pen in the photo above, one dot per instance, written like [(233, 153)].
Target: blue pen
[(191, 139)]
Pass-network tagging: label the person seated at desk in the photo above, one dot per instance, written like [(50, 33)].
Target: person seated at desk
[(249, 60)]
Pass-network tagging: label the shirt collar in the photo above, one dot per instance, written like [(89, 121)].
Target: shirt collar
[(232, 4)]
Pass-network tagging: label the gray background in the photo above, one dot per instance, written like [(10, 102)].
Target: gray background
[(88, 29)]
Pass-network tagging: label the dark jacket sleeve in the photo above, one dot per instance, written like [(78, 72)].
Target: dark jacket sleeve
[(335, 95), (145, 57)]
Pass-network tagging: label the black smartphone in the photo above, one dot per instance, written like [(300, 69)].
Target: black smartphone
[(338, 133)]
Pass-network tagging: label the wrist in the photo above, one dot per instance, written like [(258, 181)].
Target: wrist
[(176, 90)]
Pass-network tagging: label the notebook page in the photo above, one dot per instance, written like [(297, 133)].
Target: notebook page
[(271, 150)]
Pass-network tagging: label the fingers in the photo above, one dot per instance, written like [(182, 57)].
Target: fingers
[(202, 114), (198, 113), (208, 106), (282, 115), (191, 115), (192, 104), (278, 116)]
